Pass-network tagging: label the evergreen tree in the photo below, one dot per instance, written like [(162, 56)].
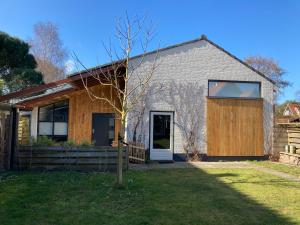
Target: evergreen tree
[(17, 66)]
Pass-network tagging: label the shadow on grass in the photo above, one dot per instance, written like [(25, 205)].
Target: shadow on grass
[(166, 196), (193, 196)]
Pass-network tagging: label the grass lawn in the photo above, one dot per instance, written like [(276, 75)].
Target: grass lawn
[(170, 196), (290, 169)]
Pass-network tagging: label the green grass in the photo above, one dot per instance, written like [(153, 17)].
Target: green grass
[(171, 196), (290, 169)]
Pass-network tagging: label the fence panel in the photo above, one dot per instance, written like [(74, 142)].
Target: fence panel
[(294, 137), (49, 158), (286, 134), (136, 152), (280, 139)]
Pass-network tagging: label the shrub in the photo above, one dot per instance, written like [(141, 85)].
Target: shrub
[(195, 155), (86, 144), (69, 144), (43, 141)]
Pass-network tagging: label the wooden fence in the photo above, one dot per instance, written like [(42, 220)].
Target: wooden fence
[(286, 134), (280, 138), (136, 152), (51, 158), (294, 137)]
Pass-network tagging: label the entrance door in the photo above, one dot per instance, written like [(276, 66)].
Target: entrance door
[(161, 136), (103, 129)]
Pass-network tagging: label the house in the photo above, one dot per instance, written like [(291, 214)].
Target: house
[(291, 114), (207, 95), (292, 110)]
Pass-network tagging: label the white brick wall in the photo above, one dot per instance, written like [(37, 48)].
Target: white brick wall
[(193, 65)]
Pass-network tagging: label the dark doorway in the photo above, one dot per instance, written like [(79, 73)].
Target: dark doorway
[(103, 129)]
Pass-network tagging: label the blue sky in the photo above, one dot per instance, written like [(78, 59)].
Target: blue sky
[(244, 27)]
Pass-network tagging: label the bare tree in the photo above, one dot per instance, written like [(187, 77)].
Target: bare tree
[(271, 69), (48, 49), (128, 79), (137, 131)]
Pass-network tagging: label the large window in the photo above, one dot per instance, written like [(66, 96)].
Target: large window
[(53, 121), (233, 89)]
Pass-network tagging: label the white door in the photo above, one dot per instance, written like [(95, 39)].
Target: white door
[(161, 136)]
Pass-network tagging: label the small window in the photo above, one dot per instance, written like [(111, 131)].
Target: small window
[(53, 121), (233, 89)]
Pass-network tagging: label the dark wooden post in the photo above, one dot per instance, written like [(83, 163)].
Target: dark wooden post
[(9, 138), (14, 138)]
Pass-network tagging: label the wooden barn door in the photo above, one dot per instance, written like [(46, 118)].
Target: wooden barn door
[(235, 127)]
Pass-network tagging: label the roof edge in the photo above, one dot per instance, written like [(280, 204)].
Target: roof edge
[(103, 66)]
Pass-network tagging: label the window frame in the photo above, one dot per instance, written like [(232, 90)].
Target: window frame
[(235, 81), (52, 136)]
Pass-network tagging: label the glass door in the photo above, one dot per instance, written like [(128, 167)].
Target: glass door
[(161, 136)]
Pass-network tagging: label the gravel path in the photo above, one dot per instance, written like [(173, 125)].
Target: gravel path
[(277, 173)]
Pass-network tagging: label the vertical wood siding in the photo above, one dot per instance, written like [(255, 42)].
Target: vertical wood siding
[(235, 127), (81, 108)]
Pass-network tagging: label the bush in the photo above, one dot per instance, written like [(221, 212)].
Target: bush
[(86, 144), (43, 141), (69, 144), (195, 155)]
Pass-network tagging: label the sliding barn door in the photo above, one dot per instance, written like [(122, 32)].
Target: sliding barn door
[(235, 127)]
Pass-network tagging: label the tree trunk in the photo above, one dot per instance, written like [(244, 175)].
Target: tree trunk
[(121, 137), (120, 163)]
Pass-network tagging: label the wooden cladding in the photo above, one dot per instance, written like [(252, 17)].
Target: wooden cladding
[(81, 108), (235, 127)]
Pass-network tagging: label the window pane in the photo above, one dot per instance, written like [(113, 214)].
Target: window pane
[(45, 128), (60, 128), (111, 122), (46, 113), (161, 131), (61, 112), (111, 134), (233, 89)]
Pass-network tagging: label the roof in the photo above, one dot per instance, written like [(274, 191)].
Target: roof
[(287, 119), (75, 77), (74, 82), (203, 37), (51, 91), (294, 108)]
